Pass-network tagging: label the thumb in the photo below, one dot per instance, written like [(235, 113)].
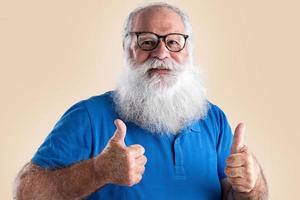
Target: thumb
[(120, 133), (238, 138)]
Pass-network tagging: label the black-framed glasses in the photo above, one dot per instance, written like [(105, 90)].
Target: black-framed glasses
[(148, 41)]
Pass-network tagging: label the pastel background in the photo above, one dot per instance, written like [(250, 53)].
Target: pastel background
[(55, 53)]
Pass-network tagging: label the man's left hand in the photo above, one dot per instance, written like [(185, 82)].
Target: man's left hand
[(242, 169)]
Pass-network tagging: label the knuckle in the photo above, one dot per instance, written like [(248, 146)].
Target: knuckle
[(139, 178), (140, 150), (249, 171), (131, 167), (125, 152), (235, 181), (236, 188), (127, 160), (226, 171), (241, 189), (134, 180), (130, 175), (230, 180), (249, 159), (130, 182), (137, 147), (251, 181), (247, 189), (129, 153), (229, 159), (142, 170), (140, 147), (145, 159), (122, 153), (244, 149), (229, 172), (232, 173)]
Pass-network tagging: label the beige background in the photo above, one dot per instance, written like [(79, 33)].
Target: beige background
[(55, 53)]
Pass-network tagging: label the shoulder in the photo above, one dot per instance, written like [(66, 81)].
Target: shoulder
[(215, 113), (99, 101), (215, 120), (87, 109), (94, 103), (214, 109)]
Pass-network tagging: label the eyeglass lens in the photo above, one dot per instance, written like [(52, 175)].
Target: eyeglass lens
[(149, 41)]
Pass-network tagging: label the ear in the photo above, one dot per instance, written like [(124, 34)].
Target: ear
[(128, 48), (123, 45), (130, 51)]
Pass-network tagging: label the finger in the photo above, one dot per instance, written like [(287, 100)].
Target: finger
[(134, 180), (120, 133), (236, 160), (237, 181), (238, 138), (140, 170), (138, 178), (235, 172), (241, 188), (142, 160), (244, 182), (136, 150), (245, 150)]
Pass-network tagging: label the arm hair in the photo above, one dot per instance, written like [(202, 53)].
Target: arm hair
[(73, 182)]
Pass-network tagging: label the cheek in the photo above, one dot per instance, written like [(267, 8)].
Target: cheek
[(140, 56), (180, 57)]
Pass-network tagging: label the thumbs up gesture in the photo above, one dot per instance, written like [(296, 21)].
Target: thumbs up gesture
[(123, 165), (242, 169)]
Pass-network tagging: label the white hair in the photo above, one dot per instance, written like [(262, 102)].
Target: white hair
[(129, 21), (161, 104)]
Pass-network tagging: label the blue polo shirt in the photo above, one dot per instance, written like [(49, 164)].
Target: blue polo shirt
[(189, 165)]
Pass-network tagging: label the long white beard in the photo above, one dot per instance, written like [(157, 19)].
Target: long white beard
[(162, 104)]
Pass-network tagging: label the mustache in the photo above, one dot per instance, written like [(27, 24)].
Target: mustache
[(155, 63)]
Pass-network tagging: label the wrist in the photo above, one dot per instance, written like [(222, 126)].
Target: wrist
[(100, 169)]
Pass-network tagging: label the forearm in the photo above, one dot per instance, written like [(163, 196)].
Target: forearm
[(72, 182)]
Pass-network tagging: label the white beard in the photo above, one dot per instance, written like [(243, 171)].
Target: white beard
[(162, 104)]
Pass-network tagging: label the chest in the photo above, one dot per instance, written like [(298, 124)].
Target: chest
[(178, 167)]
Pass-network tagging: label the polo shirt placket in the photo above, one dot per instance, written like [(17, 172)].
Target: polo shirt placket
[(179, 164)]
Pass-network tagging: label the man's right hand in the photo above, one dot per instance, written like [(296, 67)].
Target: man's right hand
[(121, 164)]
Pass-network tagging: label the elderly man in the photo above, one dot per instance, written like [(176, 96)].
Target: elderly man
[(155, 137)]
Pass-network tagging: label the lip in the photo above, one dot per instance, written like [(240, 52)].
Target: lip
[(159, 71)]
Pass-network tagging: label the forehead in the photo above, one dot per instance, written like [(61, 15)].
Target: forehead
[(158, 20)]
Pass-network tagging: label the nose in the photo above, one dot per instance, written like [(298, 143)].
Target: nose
[(161, 51)]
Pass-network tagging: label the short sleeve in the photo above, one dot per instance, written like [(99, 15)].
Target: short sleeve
[(69, 141), (223, 144)]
